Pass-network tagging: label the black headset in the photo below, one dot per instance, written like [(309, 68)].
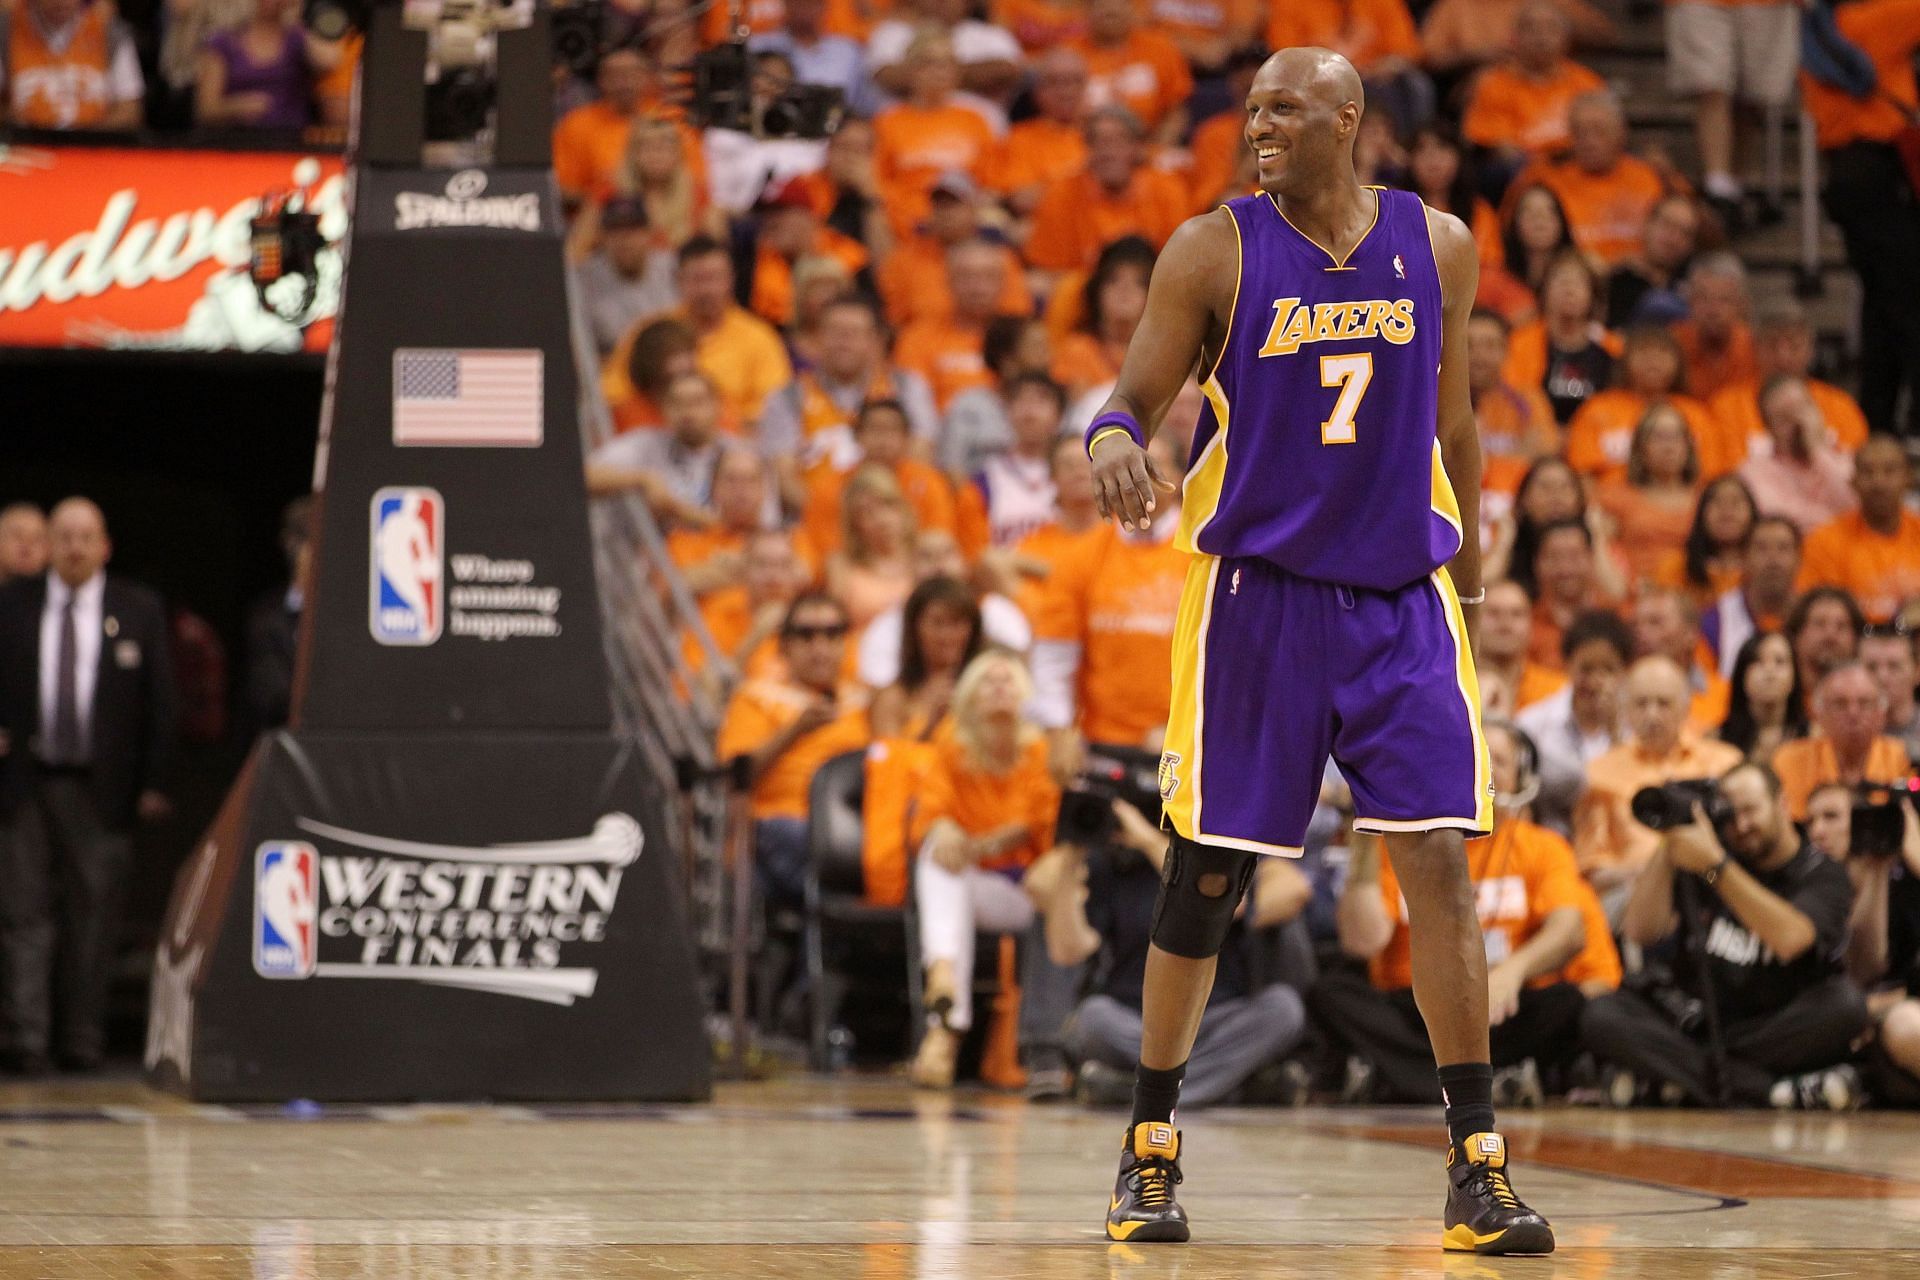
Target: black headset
[(1527, 786)]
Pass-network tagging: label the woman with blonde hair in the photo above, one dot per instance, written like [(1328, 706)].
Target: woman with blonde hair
[(872, 571), (986, 813), (655, 170)]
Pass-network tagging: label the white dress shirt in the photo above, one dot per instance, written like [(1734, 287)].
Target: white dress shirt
[(1565, 752), (88, 624)]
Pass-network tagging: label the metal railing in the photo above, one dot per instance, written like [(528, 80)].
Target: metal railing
[(658, 703)]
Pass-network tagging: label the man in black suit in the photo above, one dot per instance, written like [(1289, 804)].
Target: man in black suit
[(86, 719)]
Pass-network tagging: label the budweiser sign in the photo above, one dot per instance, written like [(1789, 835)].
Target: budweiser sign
[(148, 250)]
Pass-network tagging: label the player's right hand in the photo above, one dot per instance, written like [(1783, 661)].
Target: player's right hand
[(1124, 479)]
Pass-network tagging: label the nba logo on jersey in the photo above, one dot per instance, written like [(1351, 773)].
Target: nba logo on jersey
[(407, 553), (1399, 267), (286, 904)]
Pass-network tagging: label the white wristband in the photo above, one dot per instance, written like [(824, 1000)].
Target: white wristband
[(1476, 599)]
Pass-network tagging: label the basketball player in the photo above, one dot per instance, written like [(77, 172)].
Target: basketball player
[(1326, 607)]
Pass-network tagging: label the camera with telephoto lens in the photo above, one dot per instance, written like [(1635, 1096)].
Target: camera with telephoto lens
[(1670, 804), (1878, 823), (723, 99), (1086, 807)]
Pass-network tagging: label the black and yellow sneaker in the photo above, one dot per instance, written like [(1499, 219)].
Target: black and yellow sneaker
[(1483, 1213), (1143, 1207)]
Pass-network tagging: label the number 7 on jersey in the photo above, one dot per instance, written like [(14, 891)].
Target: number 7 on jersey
[(1351, 373)]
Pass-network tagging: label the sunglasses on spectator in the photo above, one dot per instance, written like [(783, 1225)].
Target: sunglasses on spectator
[(827, 631), (1895, 630)]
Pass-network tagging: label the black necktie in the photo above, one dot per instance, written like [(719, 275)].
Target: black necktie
[(66, 697)]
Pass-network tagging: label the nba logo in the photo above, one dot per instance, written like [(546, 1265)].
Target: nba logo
[(407, 554), (286, 906)]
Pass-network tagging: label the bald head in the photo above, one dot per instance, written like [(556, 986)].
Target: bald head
[(23, 541), (77, 540), (1325, 76), (1303, 114), (1657, 700)]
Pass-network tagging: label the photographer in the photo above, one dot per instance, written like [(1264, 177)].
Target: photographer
[(1547, 946), (1771, 940), (1097, 901), (1875, 834)]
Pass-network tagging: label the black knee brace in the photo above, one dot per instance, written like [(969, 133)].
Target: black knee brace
[(1188, 921)]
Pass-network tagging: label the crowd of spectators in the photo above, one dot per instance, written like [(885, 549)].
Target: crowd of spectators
[(848, 376)]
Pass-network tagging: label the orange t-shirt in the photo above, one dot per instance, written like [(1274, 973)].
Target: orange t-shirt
[(1364, 30), (1709, 373), (1146, 73), (1500, 477), (590, 142), (958, 789), (762, 709), (1537, 684), (1649, 531), (1041, 24), (1081, 362), (1598, 960), (913, 283), (1216, 146), (1605, 832), (1707, 710), (1035, 153), (773, 274), (1606, 212), (690, 547), (947, 354), (1117, 599), (926, 488), (913, 146), (1078, 217), (1516, 422), (1807, 763), (1889, 32), (1601, 433), (728, 614), (1880, 572), (64, 89), (1521, 875), (1509, 108), (1671, 572), (1736, 414), (743, 355), (1051, 545)]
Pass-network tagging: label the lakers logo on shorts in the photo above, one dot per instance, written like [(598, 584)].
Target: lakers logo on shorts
[(1169, 780)]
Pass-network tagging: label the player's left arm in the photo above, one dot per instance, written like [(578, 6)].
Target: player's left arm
[(1455, 254)]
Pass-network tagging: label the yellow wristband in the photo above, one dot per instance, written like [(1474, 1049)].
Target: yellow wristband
[(1102, 435)]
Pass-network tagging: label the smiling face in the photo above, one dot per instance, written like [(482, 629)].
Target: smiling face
[(1303, 114)]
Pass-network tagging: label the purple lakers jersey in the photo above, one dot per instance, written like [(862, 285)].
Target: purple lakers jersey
[(1316, 449)]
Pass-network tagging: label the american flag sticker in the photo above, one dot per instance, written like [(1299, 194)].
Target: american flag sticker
[(468, 398)]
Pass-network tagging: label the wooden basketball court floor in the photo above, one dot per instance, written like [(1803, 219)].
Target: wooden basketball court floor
[(866, 1180)]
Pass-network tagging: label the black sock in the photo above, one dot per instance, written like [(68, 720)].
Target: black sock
[(1467, 1089), (1155, 1093)]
